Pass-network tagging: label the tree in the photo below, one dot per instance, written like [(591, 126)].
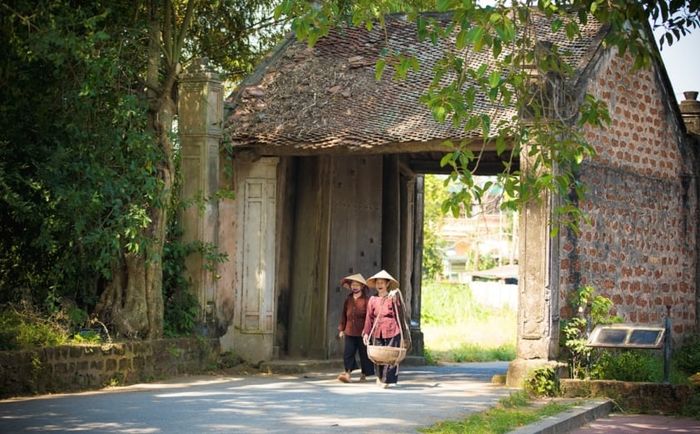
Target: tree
[(435, 195), (523, 73), (88, 160)]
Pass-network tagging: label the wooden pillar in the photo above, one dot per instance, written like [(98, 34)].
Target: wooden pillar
[(408, 185), (416, 333), (200, 127)]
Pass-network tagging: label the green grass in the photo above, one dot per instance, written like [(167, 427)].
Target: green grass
[(456, 328), (474, 353), (512, 412)]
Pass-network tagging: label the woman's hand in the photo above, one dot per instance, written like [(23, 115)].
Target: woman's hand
[(365, 339), (393, 293), (341, 335)]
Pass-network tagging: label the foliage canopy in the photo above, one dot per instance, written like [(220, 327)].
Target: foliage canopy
[(86, 155)]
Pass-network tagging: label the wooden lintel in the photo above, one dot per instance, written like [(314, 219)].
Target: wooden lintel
[(405, 169)]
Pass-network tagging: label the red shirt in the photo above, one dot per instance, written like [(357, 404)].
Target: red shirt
[(381, 309), (353, 317)]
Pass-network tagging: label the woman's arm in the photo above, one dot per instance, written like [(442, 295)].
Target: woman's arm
[(369, 317), (343, 318)]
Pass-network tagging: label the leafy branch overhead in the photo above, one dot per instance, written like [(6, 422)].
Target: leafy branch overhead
[(536, 117)]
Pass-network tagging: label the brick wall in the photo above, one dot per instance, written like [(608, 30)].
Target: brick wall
[(639, 249), (74, 368)]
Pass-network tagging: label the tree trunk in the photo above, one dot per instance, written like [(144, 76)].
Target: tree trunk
[(133, 302)]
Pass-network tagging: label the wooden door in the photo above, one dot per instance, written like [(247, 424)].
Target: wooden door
[(254, 286), (355, 232)]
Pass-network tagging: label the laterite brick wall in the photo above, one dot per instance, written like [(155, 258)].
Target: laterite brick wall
[(639, 249), (74, 368)]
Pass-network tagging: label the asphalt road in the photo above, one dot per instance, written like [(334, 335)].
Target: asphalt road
[(309, 403)]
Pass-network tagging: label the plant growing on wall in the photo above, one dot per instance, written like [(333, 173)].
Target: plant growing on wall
[(591, 309)]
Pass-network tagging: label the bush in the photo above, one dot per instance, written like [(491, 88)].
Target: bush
[(592, 310), (430, 357), (628, 366), (687, 357), (542, 382), (22, 327), (634, 365)]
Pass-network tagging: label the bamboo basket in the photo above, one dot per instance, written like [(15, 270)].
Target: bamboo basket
[(384, 355)]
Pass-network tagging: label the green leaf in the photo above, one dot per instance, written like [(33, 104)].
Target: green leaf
[(556, 24), (497, 48), (379, 69), (440, 113), (500, 145), (572, 30), (494, 79), (446, 159), (485, 125), (461, 40)]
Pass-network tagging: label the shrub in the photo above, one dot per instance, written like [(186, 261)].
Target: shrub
[(627, 366), (687, 357), (87, 336), (592, 310), (542, 382), (633, 365), (22, 327), (430, 358)]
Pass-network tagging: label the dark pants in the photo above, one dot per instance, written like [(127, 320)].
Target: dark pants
[(354, 344), (388, 373)]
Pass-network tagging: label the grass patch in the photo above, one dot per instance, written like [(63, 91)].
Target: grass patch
[(457, 328), (511, 412), (473, 353)]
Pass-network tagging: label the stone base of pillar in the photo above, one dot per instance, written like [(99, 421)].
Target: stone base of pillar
[(417, 345), (519, 369)]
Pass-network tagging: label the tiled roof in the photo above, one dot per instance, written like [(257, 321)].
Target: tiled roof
[(326, 98)]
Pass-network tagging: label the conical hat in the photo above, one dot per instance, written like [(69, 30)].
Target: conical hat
[(393, 283), (345, 282)]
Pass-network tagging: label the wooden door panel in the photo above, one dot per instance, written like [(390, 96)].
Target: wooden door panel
[(355, 232)]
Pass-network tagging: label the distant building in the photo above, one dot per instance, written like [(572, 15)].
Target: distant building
[(488, 238)]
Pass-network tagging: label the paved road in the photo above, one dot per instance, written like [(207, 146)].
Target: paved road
[(311, 403)]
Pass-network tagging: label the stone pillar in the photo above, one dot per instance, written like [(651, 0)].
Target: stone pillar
[(538, 312), (200, 122), (690, 110)]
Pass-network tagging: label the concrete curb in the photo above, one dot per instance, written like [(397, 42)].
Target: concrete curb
[(570, 419)]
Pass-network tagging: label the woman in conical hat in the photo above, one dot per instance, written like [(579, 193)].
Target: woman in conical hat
[(387, 331), (391, 285), (352, 320)]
